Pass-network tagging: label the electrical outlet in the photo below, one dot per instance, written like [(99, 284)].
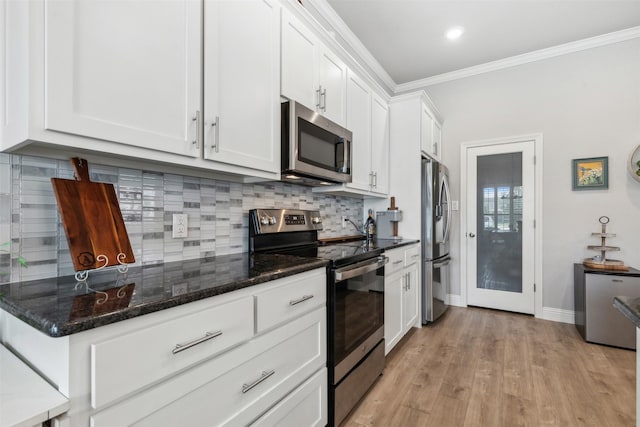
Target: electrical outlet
[(180, 226), (344, 221)]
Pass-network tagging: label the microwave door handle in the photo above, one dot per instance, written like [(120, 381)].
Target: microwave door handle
[(346, 167)]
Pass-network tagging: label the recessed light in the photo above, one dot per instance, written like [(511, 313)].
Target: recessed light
[(454, 33), (291, 177)]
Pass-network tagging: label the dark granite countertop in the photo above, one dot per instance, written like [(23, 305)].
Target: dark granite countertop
[(630, 307), (59, 307), (388, 244)]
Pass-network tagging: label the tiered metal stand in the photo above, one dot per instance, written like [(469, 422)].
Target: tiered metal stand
[(601, 261)]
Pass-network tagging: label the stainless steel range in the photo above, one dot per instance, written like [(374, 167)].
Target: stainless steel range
[(355, 299)]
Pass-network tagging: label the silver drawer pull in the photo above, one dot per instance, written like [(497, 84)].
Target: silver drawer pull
[(299, 300), (617, 280), (265, 375), (415, 256), (208, 336), (397, 262)]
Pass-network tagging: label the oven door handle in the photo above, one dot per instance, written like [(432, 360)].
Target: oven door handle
[(359, 269)]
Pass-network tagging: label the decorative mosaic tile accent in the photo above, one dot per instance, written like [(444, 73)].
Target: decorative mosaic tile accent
[(217, 211)]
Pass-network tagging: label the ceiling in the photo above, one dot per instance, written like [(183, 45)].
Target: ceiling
[(407, 36)]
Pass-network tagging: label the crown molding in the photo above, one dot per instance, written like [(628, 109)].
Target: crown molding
[(538, 55), (324, 9)]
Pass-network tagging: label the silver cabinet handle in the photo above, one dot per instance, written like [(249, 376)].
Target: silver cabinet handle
[(375, 180), (397, 262), (617, 280), (264, 376), (371, 179), (215, 131), (472, 235), (415, 256), (196, 119), (323, 96), (299, 300), (319, 97), (435, 148), (207, 336)]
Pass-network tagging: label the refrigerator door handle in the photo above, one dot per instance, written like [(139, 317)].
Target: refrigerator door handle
[(445, 181), (442, 263)]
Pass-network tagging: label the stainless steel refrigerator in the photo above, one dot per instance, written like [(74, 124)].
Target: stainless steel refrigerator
[(436, 229)]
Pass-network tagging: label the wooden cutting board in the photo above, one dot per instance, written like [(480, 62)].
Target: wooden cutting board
[(92, 220)]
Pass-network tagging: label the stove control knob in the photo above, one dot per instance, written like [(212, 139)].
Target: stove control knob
[(316, 220), (264, 220), (272, 220)]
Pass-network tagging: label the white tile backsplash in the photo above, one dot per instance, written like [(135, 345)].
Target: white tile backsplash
[(218, 222)]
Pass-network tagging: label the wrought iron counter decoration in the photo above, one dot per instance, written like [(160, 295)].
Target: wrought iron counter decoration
[(601, 261)]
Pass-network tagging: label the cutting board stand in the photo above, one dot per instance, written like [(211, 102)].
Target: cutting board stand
[(93, 223)]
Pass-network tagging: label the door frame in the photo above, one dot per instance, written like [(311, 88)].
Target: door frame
[(537, 214)]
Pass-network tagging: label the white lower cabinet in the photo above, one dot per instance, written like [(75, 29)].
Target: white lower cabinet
[(305, 406), (401, 294), (226, 360), (234, 388)]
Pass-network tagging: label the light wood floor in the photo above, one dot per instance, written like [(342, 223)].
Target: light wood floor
[(478, 367)]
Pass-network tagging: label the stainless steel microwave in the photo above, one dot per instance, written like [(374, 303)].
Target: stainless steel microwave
[(315, 150)]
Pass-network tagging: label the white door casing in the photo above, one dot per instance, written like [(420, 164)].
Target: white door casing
[(528, 301)]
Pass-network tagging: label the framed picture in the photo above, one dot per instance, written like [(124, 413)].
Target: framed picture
[(591, 174)]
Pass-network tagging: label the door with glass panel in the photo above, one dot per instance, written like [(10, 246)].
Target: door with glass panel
[(500, 226)]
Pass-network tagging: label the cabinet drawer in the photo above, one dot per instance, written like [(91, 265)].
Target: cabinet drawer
[(168, 347), (305, 406), (396, 261), (290, 299), (411, 255), (233, 388)]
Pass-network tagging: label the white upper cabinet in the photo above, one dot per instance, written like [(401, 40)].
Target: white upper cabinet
[(191, 85), (241, 83), (127, 72), (311, 73), (359, 123), (430, 133), (332, 75), (299, 74), (367, 117), (379, 144)]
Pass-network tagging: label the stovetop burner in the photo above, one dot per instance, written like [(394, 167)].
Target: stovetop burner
[(295, 232)]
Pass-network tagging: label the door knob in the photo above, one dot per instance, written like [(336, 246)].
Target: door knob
[(472, 235)]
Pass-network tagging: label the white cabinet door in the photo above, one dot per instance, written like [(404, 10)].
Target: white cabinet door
[(299, 75), (332, 74), (426, 131), (410, 298), (127, 72), (241, 83), (393, 318), (359, 123), (379, 144), (437, 139)]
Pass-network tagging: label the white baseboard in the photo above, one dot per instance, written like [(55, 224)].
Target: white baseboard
[(558, 315), (456, 300), (548, 313)]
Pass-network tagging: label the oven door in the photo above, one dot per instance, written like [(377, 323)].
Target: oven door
[(357, 313)]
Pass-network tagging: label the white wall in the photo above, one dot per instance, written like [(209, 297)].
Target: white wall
[(585, 104)]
